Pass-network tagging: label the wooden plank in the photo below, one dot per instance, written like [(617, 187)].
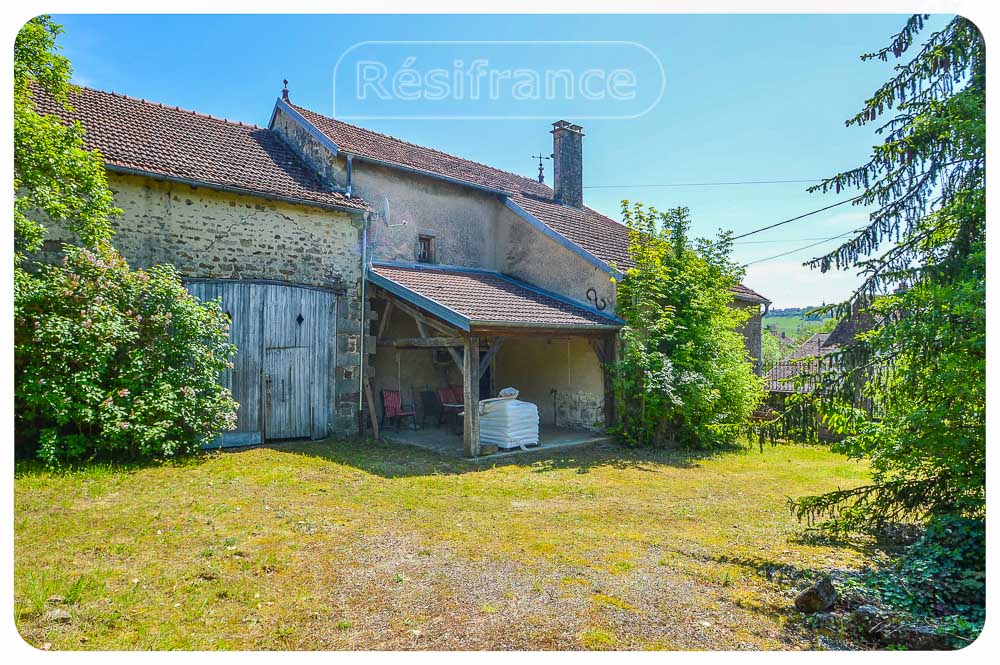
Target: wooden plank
[(422, 329), (421, 342), (484, 363), (371, 407), (385, 318), (471, 384), (598, 345), (419, 316)]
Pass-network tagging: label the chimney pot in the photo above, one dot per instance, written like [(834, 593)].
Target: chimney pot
[(567, 157)]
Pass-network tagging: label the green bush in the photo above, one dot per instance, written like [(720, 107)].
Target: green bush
[(940, 581), (115, 362), (684, 377)]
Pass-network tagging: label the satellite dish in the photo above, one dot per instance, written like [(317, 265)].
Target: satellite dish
[(384, 213)]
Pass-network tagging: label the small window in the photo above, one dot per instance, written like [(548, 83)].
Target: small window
[(425, 249)]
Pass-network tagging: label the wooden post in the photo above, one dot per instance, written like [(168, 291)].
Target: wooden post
[(371, 407), (471, 383)]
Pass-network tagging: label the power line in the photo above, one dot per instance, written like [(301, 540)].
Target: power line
[(793, 219), (799, 249), (702, 184), (765, 242)]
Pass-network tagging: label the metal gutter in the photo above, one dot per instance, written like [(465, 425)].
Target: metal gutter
[(559, 326), (126, 170)]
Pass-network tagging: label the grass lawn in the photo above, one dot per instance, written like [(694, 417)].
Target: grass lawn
[(360, 545)]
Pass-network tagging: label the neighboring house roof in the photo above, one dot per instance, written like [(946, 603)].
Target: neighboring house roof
[(847, 330), (599, 235), (137, 136), (784, 377), (471, 298)]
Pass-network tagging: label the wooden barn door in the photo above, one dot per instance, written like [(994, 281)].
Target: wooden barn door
[(296, 361), (282, 373)]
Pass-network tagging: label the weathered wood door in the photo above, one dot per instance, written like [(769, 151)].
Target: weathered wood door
[(287, 387), (283, 373)]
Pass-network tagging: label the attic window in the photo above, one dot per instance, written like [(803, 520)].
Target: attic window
[(425, 249)]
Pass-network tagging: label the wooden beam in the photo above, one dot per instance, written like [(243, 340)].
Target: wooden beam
[(421, 342), (422, 329), (385, 318), (484, 364), (471, 383), (599, 345), (419, 316), (371, 407)]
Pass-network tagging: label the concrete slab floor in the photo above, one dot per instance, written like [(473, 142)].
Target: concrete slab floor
[(444, 441)]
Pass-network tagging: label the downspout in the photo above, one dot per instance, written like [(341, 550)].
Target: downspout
[(364, 319), (364, 293)]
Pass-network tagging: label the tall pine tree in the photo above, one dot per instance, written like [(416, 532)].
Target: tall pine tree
[(910, 396)]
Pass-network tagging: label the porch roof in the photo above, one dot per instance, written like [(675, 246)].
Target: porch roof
[(472, 298)]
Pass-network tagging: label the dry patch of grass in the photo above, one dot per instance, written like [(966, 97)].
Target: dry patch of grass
[(360, 545)]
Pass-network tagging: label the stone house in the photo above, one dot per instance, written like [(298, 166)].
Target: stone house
[(353, 262)]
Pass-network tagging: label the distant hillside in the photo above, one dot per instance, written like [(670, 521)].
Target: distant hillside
[(796, 324)]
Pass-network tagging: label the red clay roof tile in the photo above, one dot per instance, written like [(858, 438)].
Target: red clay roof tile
[(167, 141), (491, 297)]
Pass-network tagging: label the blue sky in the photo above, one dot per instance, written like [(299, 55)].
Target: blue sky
[(747, 98)]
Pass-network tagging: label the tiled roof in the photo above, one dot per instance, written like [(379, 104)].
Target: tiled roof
[(598, 234), (137, 135), (481, 297), (850, 327), (801, 362)]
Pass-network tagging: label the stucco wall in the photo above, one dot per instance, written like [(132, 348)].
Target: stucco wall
[(461, 221), (527, 254), (568, 366), (211, 234)]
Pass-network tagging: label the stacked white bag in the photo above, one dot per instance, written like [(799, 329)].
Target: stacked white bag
[(508, 423)]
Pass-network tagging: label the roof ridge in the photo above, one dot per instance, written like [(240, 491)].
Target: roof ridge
[(424, 147), (148, 102)]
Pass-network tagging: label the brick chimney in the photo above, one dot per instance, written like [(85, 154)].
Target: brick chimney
[(567, 158)]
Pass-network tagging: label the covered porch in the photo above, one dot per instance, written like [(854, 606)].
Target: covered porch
[(466, 333)]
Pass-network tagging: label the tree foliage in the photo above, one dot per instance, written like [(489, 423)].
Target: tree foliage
[(107, 361), (684, 377), (55, 176), (116, 362), (911, 394)]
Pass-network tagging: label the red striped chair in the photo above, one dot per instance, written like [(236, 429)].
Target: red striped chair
[(450, 403), (392, 408)]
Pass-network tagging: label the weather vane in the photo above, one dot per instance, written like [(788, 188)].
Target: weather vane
[(541, 168)]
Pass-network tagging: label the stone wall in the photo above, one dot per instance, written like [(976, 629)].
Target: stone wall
[(210, 234), (751, 331)]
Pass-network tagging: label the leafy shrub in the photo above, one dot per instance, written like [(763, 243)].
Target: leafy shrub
[(116, 362), (940, 581), (684, 377)]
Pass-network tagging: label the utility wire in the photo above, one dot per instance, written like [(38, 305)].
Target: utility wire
[(799, 249), (784, 240), (702, 184), (793, 219)]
